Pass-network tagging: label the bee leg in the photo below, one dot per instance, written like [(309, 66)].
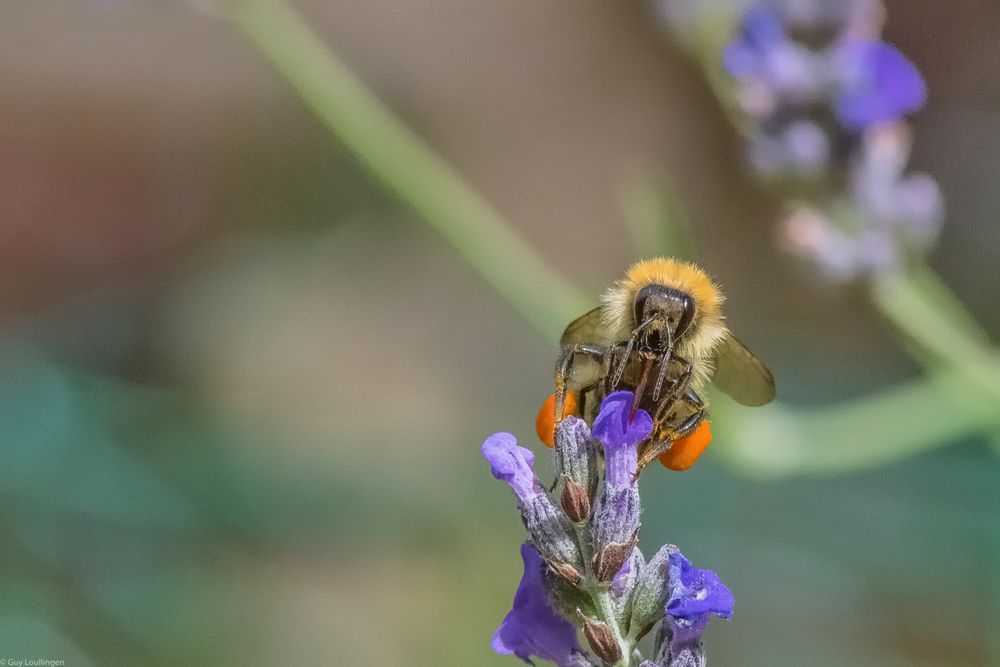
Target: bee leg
[(688, 426), (610, 358), (678, 384), (664, 436), (650, 450), (565, 365)]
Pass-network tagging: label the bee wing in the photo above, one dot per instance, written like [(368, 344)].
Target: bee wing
[(588, 328), (743, 376)]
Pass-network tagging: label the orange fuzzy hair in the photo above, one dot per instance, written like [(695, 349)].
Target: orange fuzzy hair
[(707, 328)]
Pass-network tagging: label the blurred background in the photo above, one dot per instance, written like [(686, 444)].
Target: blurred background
[(242, 388)]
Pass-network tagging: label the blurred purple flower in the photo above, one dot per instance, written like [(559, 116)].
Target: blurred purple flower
[(760, 34), (878, 84), (694, 595), (841, 125), (773, 69), (532, 627)]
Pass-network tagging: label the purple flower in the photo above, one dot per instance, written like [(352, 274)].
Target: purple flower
[(620, 432), (772, 68), (694, 595), (879, 84), (549, 529), (615, 521), (513, 464), (532, 627), (760, 33)]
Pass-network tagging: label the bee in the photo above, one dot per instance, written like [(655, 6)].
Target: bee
[(660, 332)]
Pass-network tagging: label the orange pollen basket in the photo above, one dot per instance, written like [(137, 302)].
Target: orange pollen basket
[(545, 422), (685, 451)]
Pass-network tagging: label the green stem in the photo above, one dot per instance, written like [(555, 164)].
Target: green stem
[(405, 164), (606, 608), (603, 604)]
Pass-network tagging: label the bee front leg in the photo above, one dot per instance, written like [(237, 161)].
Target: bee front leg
[(611, 362), (564, 369)]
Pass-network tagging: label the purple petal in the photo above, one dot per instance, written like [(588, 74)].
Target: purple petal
[(512, 463), (761, 29), (621, 436), (613, 424), (696, 593), (880, 85), (532, 627)]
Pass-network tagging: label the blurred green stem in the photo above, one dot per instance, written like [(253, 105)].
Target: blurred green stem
[(925, 312), (656, 220), (405, 164)]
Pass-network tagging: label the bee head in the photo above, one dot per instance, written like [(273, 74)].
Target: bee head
[(665, 315)]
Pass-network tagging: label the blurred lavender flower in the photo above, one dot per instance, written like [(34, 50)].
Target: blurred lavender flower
[(583, 569), (824, 100), (876, 84)]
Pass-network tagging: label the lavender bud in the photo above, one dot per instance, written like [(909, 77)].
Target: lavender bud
[(576, 460), (576, 453), (649, 597), (575, 501), (609, 561), (602, 641), (566, 571)]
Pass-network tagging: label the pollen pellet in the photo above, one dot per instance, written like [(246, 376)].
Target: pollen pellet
[(545, 422), (685, 451)]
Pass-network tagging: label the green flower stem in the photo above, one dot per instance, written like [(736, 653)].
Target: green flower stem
[(656, 220), (406, 165), (856, 434), (603, 604), (606, 608)]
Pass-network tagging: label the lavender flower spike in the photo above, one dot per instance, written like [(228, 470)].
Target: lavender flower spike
[(550, 531), (583, 571), (615, 523), (532, 628)]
